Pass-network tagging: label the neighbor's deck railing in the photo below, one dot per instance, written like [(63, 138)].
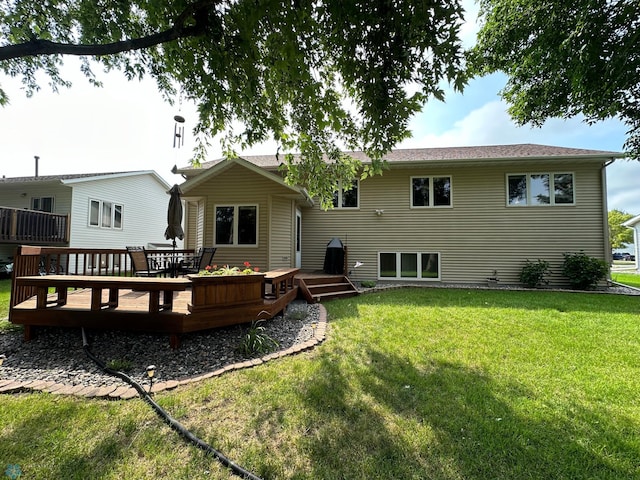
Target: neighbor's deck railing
[(32, 260), (33, 227)]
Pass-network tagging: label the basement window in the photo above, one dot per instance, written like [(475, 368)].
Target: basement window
[(409, 266)]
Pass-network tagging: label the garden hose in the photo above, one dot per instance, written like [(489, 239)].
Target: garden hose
[(173, 423)]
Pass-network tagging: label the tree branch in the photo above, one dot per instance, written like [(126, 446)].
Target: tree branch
[(197, 11)]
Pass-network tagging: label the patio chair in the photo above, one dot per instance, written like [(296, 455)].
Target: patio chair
[(143, 266), (203, 258)]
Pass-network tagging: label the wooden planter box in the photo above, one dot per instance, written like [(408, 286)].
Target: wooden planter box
[(222, 291)]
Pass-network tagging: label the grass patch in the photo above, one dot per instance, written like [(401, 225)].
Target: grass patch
[(5, 299), (411, 384), (631, 279)]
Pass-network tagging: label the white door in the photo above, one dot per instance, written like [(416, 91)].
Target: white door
[(298, 238)]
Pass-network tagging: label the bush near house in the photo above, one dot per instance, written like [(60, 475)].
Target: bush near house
[(533, 273), (584, 272)]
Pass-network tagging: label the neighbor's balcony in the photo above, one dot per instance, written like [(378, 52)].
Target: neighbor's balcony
[(33, 227)]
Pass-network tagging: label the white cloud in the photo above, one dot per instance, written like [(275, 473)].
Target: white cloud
[(490, 124), (469, 29), (623, 187)]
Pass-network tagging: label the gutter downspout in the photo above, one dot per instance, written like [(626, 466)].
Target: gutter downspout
[(605, 215)]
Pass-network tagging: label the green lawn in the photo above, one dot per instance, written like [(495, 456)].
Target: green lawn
[(410, 384), (631, 279), (5, 296)]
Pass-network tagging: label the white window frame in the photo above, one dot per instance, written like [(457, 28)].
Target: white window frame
[(100, 224), (235, 225), (340, 193), (431, 191), (417, 278), (552, 195)]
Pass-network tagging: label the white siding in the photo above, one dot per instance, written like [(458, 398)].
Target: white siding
[(144, 216)]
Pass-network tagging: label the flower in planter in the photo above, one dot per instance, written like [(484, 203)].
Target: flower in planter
[(227, 270)]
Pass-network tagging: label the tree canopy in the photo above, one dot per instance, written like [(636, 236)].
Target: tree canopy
[(565, 58), (619, 235), (318, 77)]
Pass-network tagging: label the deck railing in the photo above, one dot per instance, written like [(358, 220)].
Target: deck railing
[(33, 227), (32, 260)]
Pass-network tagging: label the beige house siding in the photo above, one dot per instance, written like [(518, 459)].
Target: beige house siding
[(191, 224), (474, 237), (238, 185), (281, 254)]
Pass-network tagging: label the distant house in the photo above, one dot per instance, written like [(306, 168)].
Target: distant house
[(450, 215), (95, 210), (634, 223)]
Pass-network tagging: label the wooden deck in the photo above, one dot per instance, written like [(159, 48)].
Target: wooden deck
[(95, 289), (125, 303)]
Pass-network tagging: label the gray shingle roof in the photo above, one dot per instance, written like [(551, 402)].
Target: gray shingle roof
[(53, 178), (487, 152)]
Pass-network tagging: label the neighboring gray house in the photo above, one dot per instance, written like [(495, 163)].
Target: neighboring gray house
[(634, 224), (94, 210), (450, 215)]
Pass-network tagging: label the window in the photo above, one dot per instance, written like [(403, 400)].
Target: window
[(42, 204), (105, 214), (236, 225), (534, 189), (346, 198), (409, 265), (430, 192)]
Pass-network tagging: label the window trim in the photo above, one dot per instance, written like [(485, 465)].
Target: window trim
[(235, 243), (53, 204), (340, 192), (552, 196), (418, 254), (431, 192), (114, 206)]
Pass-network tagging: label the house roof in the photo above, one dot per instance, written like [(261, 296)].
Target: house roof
[(218, 167), (67, 179), (632, 222), (524, 151)]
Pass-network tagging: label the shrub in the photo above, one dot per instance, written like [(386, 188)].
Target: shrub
[(368, 283), (533, 273), (584, 272), (256, 340)]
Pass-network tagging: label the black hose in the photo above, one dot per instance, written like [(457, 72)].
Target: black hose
[(172, 422)]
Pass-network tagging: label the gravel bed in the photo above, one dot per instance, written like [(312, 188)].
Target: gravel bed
[(614, 288), (56, 354)]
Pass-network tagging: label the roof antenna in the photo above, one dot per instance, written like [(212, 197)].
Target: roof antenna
[(36, 158)]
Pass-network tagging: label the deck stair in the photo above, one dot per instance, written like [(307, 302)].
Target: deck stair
[(317, 289)]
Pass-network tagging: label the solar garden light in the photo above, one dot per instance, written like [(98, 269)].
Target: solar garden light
[(2, 357), (151, 372)]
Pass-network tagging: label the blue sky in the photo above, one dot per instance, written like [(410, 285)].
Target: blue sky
[(128, 126)]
